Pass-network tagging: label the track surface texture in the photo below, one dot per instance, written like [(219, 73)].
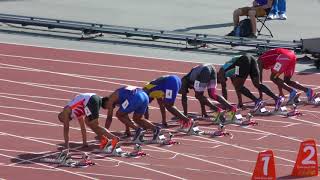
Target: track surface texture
[(37, 82)]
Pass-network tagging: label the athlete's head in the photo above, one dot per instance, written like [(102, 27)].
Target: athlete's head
[(105, 102)]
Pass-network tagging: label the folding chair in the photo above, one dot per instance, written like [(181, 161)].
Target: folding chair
[(263, 20)]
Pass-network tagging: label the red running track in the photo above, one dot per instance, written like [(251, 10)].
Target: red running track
[(36, 82)]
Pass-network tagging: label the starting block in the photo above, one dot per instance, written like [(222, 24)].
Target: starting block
[(219, 133), (262, 112), (161, 140), (118, 152), (282, 111), (248, 121), (65, 159)]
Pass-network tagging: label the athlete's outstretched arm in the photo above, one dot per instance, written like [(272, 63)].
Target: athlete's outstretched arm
[(83, 131), (162, 110), (66, 134), (113, 98), (222, 80), (64, 117), (184, 102), (238, 92), (213, 95), (175, 111)]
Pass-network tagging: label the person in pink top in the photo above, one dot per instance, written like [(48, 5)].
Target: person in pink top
[(283, 61)]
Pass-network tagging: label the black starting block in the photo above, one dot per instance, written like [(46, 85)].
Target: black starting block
[(283, 111), (161, 140), (67, 159), (118, 152), (219, 133)]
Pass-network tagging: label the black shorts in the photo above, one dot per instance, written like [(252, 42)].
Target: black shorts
[(94, 104), (247, 66)]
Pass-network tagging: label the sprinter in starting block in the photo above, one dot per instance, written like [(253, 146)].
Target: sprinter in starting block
[(238, 69), (283, 61)]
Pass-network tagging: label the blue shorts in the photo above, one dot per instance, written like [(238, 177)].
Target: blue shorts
[(133, 100)]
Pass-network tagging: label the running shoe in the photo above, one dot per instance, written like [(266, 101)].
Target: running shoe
[(278, 103), (186, 125), (103, 142), (189, 125), (310, 94), (229, 115), (156, 133), (258, 105), (292, 96), (114, 143), (217, 114), (138, 133)]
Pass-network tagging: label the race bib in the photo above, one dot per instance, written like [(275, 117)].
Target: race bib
[(196, 84), (125, 104), (87, 111), (237, 69), (277, 66), (168, 93)]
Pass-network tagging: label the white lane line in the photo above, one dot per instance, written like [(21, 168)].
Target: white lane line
[(27, 152), (36, 102), (89, 64), (23, 68), (203, 160), (243, 148), (78, 172), (71, 50), (51, 144), (304, 121), (37, 97), (282, 136), (28, 109), (33, 85), (262, 137), (292, 124), (24, 122), (31, 119), (98, 78)]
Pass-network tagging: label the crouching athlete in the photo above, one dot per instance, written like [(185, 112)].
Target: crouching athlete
[(283, 61), (85, 107), (238, 69), (200, 78), (165, 89), (130, 99)]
